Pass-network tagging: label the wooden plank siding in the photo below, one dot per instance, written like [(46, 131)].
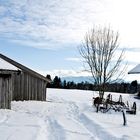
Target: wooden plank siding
[(20, 86), (5, 91), (20, 83), (28, 87)]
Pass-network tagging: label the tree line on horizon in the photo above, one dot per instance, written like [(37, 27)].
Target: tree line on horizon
[(120, 87)]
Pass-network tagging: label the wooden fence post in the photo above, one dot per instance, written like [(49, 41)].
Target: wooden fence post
[(124, 118)]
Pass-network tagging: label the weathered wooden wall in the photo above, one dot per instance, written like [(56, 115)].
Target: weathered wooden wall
[(28, 87), (20, 86), (5, 91)]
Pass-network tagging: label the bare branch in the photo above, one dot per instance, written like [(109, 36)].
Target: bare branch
[(99, 50)]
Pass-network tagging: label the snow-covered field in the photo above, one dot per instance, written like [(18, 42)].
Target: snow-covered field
[(67, 115)]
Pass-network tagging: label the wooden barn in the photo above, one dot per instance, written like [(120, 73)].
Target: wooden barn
[(17, 82)]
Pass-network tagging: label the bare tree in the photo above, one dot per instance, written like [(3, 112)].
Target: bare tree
[(99, 53)]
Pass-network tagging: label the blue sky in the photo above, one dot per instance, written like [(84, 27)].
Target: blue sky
[(44, 34), (43, 60)]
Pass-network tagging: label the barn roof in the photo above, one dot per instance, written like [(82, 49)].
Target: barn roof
[(135, 70), (10, 64)]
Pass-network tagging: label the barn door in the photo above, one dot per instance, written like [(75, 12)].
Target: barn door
[(5, 91)]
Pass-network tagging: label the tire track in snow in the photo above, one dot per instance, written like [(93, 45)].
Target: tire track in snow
[(4, 119), (95, 130), (75, 113), (57, 131)]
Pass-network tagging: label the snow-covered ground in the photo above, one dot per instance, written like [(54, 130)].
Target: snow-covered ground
[(67, 115)]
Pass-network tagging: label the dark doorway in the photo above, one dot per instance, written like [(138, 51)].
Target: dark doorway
[(5, 91)]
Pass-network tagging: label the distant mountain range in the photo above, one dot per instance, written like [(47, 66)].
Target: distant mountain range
[(78, 79)]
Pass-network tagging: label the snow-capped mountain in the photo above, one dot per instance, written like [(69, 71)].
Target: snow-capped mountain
[(78, 79)]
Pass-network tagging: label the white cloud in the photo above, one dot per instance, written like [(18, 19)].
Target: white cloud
[(75, 59), (39, 44), (133, 57), (52, 20), (65, 73), (51, 24)]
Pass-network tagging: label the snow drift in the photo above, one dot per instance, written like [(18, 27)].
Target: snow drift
[(66, 115)]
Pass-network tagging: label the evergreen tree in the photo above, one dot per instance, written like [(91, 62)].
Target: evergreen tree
[(57, 82), (64, 84), (49, 85), (133, 86)]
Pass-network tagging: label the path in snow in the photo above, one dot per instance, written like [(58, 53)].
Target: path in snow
[(95, 130), (56, 130), (70, 121), (65, 116)]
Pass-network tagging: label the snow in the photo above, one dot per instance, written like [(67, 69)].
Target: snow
[(67, 115), (135, 70), (5, 65)]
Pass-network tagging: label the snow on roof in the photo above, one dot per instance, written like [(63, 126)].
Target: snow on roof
[(5, 65), (135, 70), (9, 64)]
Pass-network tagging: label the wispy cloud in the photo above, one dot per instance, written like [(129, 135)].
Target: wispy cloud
[(75, 59), (132, 49), (55, 24), (52, 21), (65, 73)]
